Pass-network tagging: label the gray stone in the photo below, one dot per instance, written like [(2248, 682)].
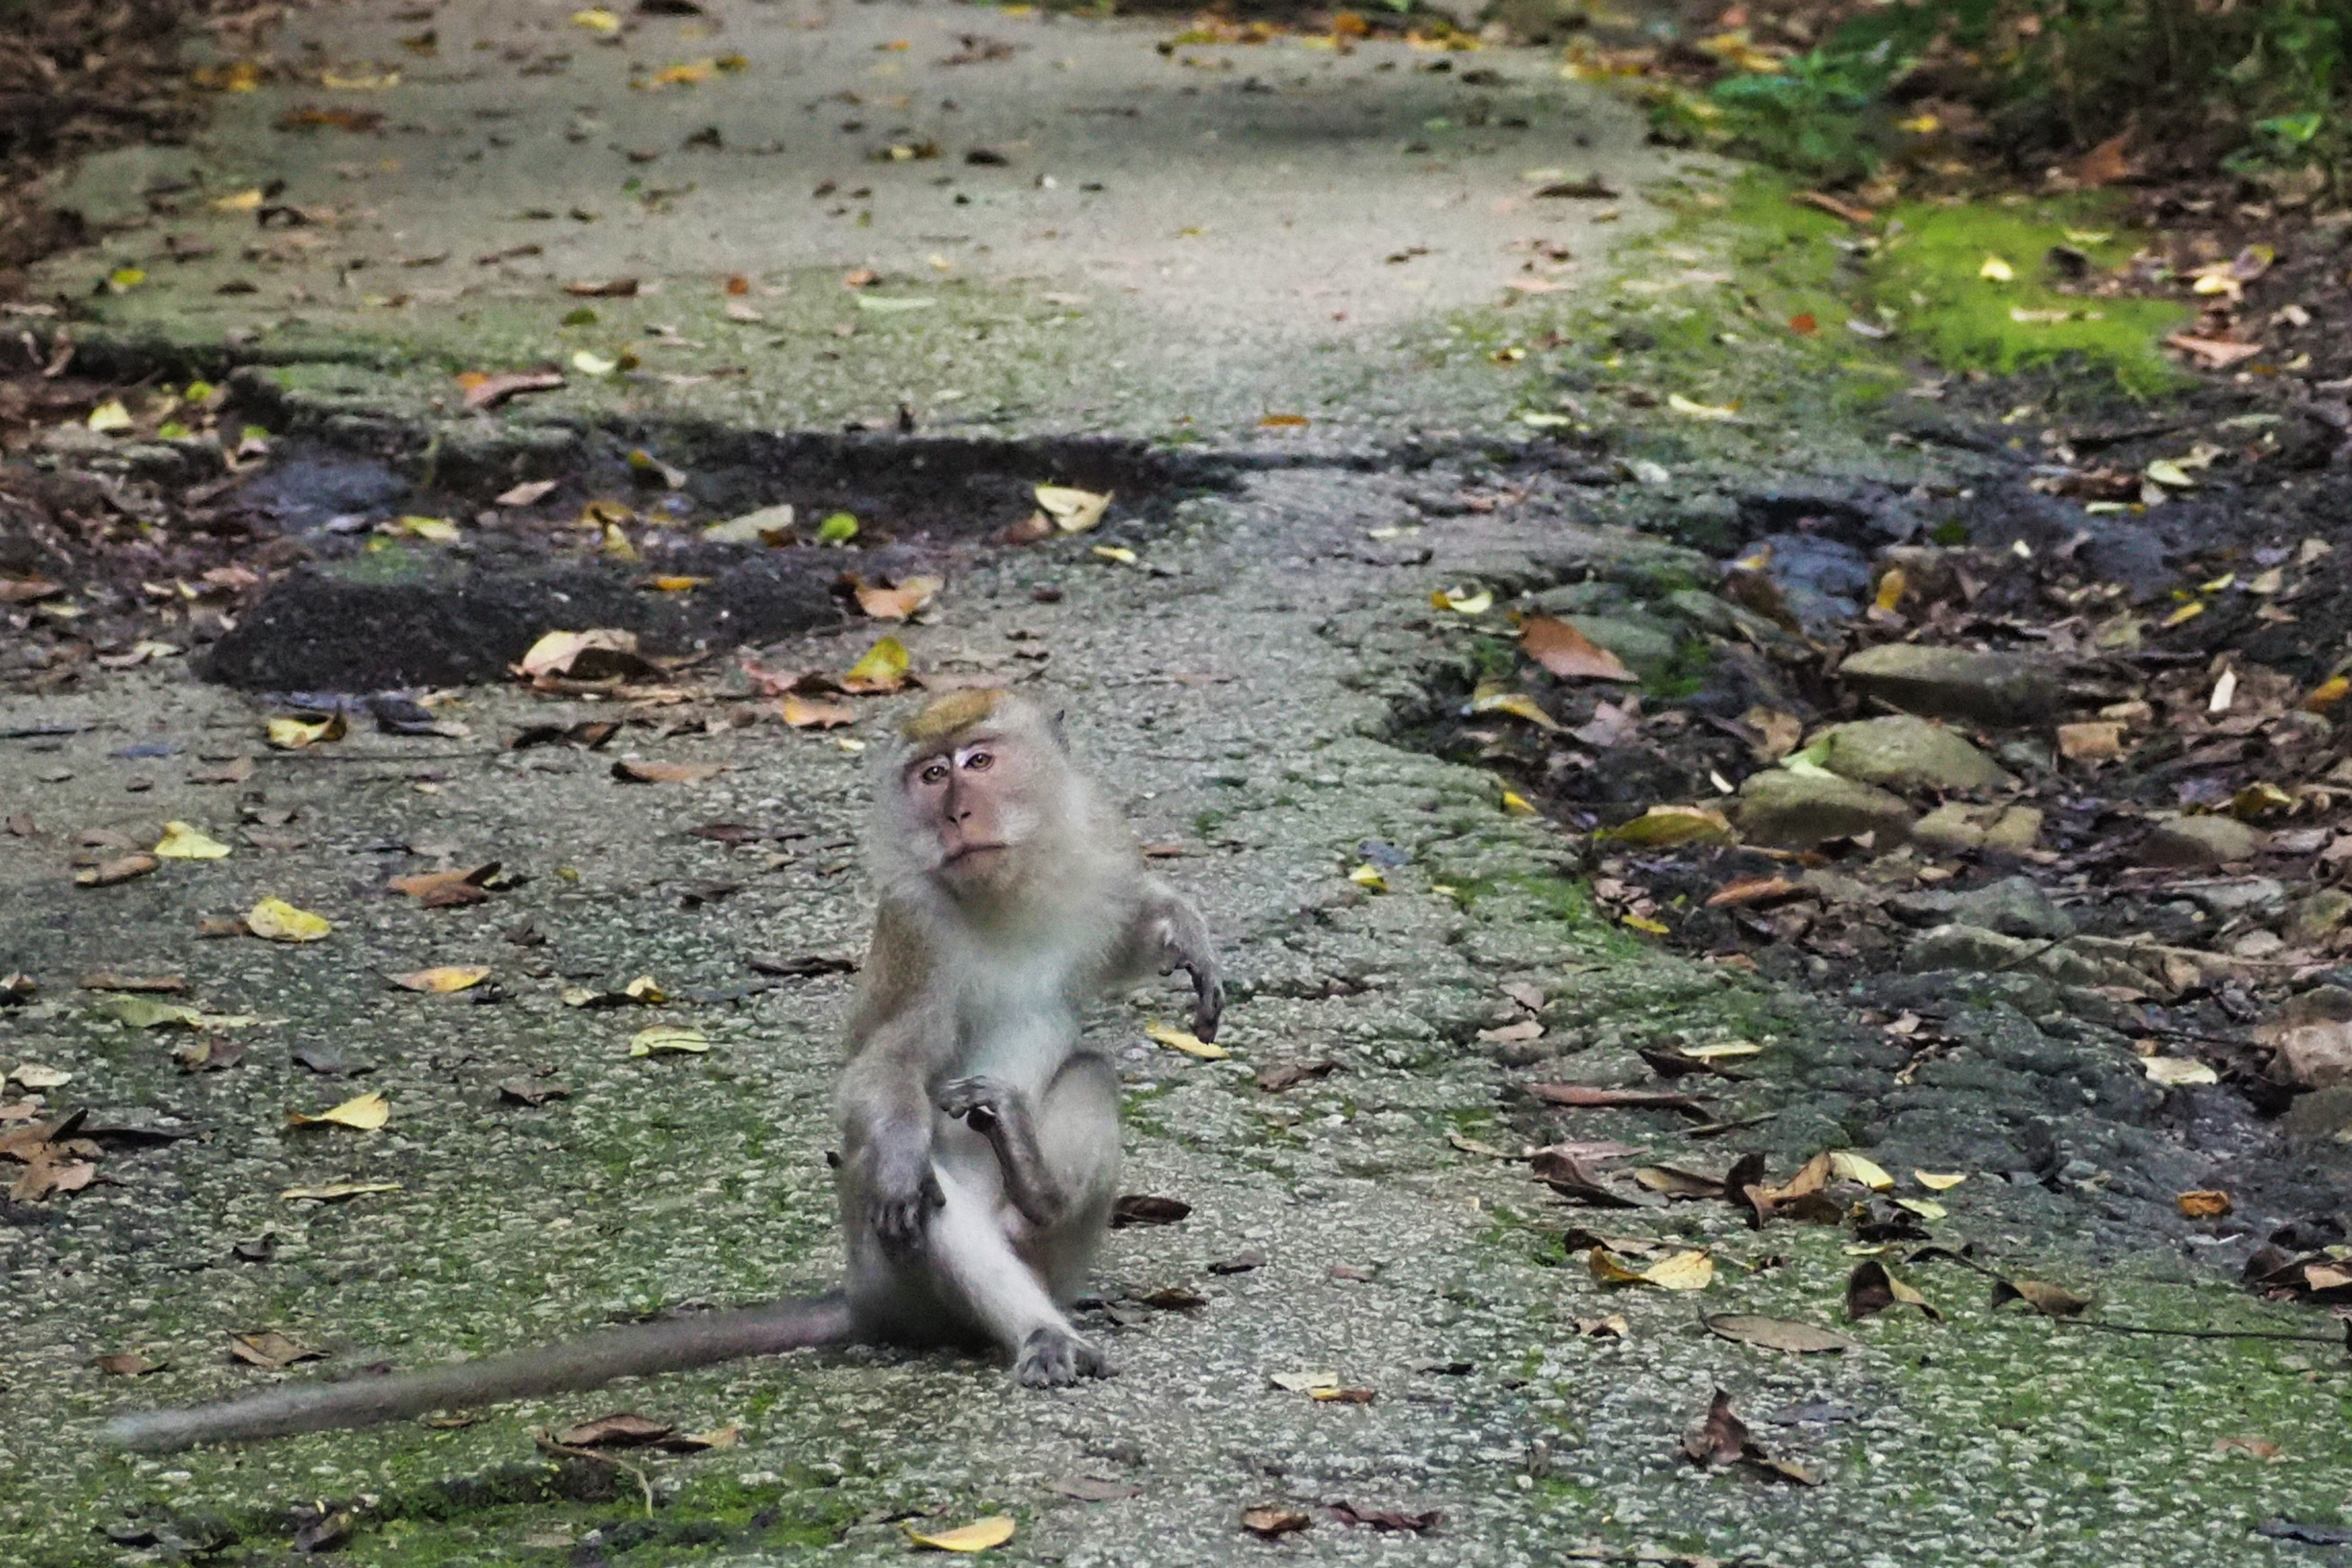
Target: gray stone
[(2261, 897), (1956, 683), (2015, 906), (2009, 829), (1796, 811), (2197, 843), (1907, 756), (2318, 914), (1595, 596), (1974, 949)]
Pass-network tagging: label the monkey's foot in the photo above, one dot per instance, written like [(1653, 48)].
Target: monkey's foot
[(1056, 1358)]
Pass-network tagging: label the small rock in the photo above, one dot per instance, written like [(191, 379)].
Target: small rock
[(1796, 811), (1907, 754), (2197, 843), (2311, 1039), (2259, 895), (1976, 950), (2011, 829), (2007, 689), (2015, 906), (2318, 914)]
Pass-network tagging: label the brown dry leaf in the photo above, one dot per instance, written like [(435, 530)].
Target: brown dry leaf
[(1687, 1270), (602, 288), (604, 653), (2103, 164), (1387, 1519), (1775, 1333), (1871, 1288), (1273, 1521), (488, 391), (364, 1112), (667, 772), (106, 873), (126, 1363), (1612, 1327), (208, 1053), (618, 1430), (1718, 1438), (1752, 890), (2049, 1301), (1567, 653), (270, 1349), (531, 1091), (1777, 733), (2213, 353), (447, 890), (2091, 743), (802, 713), (1143, 1208), (1821, 201), (2204, 1203), (1289, 1074), (1587, 1094), (1093, 1489), (896, 604), (443, 979)]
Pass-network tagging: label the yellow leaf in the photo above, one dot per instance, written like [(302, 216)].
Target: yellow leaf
[(293, 734), (678, 584), (2328, 694), (242, 201), (437, 530), (883, 668), (978, 1536), (1073, 511), (1997, 270), (281, 921), (334, 1190), (1926, 1208), (596, 19), (366, 1111), (123, 280), (1891, 589), (1664, 825), (1723, 1051), (2174, 1071), (445, 979), (1518, 704), (803, 714), (2186, 612), (1643, 923), (588, 363), (1368, 876), (1515, 805), (1939, 1181), (1176, 1039), (181, 842), (1115, 552), (668, 1038), (1695, 410), (109, 415), (645, 990), (1462, 601), (1855, 1168), (1304, 1381), (2164, 472), (1683, 1271)]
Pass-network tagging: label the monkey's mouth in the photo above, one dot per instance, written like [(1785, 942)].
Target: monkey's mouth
[(964, 852)]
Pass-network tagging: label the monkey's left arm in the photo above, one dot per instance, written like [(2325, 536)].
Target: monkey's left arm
[(1169, 934)]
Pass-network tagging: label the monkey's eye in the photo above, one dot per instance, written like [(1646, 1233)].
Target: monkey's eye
[(978, 762), (933, 772)]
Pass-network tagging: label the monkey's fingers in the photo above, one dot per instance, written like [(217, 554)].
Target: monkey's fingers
[(1208, 1008)]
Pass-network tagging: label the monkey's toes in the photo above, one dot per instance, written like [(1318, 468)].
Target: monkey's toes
[(1056, 1358)]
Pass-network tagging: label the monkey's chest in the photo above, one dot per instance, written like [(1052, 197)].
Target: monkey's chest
[(1018, 1026)]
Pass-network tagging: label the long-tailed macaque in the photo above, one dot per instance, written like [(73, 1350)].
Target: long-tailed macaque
[(980, 1137)]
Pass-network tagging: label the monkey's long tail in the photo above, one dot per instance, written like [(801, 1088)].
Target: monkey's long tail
[(641, 1350)]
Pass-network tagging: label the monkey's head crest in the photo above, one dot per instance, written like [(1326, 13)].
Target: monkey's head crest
[(952, 714)]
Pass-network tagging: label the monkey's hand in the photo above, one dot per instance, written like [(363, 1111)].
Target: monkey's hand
[(1182, 937), (905, 1195), (979, 1103)]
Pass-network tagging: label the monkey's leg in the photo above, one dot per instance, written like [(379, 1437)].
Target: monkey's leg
[(1000, 1113), (976, 1266)]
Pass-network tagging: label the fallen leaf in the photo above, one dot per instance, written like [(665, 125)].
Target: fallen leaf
[(1073, 511), (2174, 1072), (182, 842), (293, 734), (1719, 1437), (882, 670), (1690, 1270), (35, 1075), (529, 493), (108, 980), (667, 772), (2203, 1203), (1284, 422), (271, 1350), (978, 1536), (365, 1112), (802, 713), (531, 1091), (1587, 1094), (109, 416), (1691, 409), (126, 1363), (447, 890), (896, 604), (1852, 1167), (1387, 1519), (1567, 653), (619, 1430), (1751, 891), (490, 391), (1996, 270), (278, 920), (1519, 704), (1176, 1039), (1289, 1074), (603, 653), (668, 1038), (1116, 553), (1939, 1181), (2049, 1301), (1463, 600), (106, 873), (1612, 1327), (1775, 1333), (1870, 1289), (335, 1192), (1144, 1208), (444, 979), (2213, 353), (1662, 826), (1273, 1521), (1093, 1489), (2091, 743)]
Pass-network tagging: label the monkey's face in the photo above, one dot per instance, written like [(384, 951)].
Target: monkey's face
[(978, 803)]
